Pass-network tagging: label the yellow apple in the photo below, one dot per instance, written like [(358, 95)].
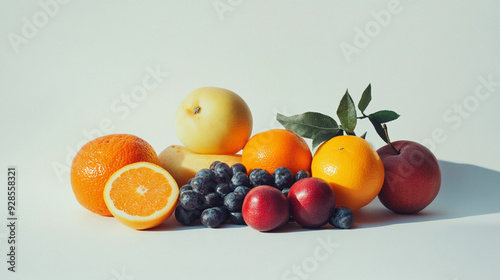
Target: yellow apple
[(213, 120), (183, 164)]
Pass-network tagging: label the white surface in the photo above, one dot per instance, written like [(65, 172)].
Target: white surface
[(67, 78)]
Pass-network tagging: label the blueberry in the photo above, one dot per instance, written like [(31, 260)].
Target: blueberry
[(240, 179), (206, 173), (191, 200), (236, 218), (302, 174), (213, 199), (233, 202), (222, 189), (225, 212), (203, 185), (213, 217), (342, 218), (260, 177), (283, 178), (241, 190), (285, 191), (186, 217), (223, 172), (185, 188), (238, 167), (213, 164)]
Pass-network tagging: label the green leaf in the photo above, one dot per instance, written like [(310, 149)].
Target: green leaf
[(347, 113), (323, 136), (308, 124), (378, 128), (384, 116), (365, 98)]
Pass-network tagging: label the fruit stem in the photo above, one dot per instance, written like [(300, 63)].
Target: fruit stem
[(197, 110), (384, 126)]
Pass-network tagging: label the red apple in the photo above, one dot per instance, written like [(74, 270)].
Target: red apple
[(265, 208), (312, 202), (412, 177)]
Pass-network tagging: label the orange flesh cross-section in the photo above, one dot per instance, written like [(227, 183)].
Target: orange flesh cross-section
[(140, 192)]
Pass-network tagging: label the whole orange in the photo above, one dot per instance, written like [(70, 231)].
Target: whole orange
[(274, 148), (353, 169), (97, 160)]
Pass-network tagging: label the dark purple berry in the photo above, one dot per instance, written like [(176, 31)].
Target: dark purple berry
[(186, 217), (241, 190), (213, 164), (238, 167), (213, 199), (283, 178), (260, 177), (206, 173), (191, 200), (302, 174), (213, 217), (185, 188), (222, 189), (233, 202), (203, 185), (342, 218), (223, 172), (236, 218), (240, 179)]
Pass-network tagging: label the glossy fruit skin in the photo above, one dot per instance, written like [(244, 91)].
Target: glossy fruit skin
[(265, 208), (312, 202), (213, 120), (412, 178), (353, 169), (274, 148), (97, 160)]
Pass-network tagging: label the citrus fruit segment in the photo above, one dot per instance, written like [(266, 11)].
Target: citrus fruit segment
[(141, 195), (97, 160), (275, 148), (353, 169)]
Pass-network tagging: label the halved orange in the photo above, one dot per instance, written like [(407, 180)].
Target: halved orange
[(141, 195)]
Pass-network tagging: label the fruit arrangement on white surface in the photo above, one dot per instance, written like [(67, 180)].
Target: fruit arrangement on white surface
[(274, 181)]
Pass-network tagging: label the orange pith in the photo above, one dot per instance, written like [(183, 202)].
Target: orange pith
[(141, 195)]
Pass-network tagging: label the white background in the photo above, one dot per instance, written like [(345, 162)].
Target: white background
[(66, 69)]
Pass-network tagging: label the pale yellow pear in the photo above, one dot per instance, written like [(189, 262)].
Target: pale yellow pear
[(183, 163), (213, 120)]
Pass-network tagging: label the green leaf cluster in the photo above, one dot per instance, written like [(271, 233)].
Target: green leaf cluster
[(320, 127)]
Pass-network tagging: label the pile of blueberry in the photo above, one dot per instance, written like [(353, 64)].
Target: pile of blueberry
[(216, 195)]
